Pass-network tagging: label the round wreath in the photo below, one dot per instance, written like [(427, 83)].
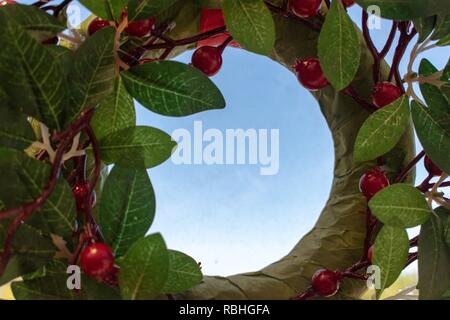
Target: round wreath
[(71, 228)]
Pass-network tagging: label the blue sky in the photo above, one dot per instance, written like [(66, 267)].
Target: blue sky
[(231, 218)]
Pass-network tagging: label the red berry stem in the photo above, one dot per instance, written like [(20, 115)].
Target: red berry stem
[(309, 293), (225, 44), (186, 41), (284, 11), (414, 242), (373, 50), (350, 91), (409, 167), (405, 39), (353, 275), (411, 258)]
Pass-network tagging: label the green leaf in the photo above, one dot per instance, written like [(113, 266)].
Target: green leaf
[(382, 130), (105, 9), (445, 41), (433, 130), (31, 250), (406, 10), (27, 178), (442, 27), (444, 214), (36, 84), (172, 88), (424, 26), (51, 284), (15, 131), (115, 112), (184, 273), (433, 95), (434, 258), (92, 75), (145, 268), (339, 47), (137, 147), (144, 9), (390, 255), (33, 18), (127, 207), (400, 205), (250, 23)]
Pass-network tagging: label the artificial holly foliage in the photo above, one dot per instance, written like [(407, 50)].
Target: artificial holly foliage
[(76, 191)]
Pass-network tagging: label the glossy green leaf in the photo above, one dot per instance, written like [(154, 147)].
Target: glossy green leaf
[(127, 207), (137, 147), (15, 131), (144, 270), (424, 26), (406, 9), (433, 130), (400, 205), (31, 250), (44, 93), (115, 112), (339, 47), (390, 255), (250, 23), (434, 257), (172, 88), (27, 178), (144, 9), (105, 9), (92, 75), (184, 273), (33, 18), (382, 130), (51, 284), (433, 95)]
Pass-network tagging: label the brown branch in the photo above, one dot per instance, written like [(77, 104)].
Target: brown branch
[(23, 212)]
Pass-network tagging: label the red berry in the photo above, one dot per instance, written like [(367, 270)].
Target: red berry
[(50, 41), (431, 167), (208, 60), (370, 254), (385, 93), (97, 260), (305, 8), (372, 182), (96, 25), (140, 28), (326, 282), (310, 74), (211, 19), (348, 3)]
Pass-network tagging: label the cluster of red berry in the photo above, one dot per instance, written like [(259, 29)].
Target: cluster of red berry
[(325, 282)]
